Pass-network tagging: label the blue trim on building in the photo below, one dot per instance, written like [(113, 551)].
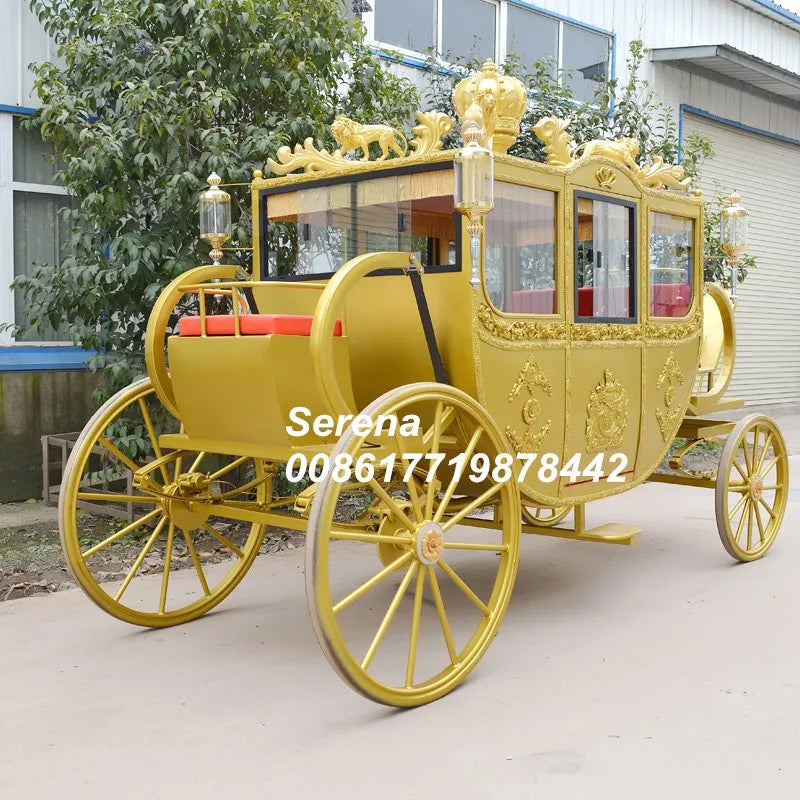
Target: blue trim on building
[(27, 111), (774, 8), (30, 358), (560, 17), (699, 112)]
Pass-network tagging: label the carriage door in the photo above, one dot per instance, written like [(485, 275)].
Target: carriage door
[(605, 357)]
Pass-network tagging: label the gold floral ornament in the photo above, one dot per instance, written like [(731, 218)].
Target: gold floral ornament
[(518, 330), (561, 151), (606, 177), (496, 103), (531, 379), (431, 127), (606, 414), (671, 376)]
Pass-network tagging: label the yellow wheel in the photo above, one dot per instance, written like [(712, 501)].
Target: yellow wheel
[(544, 516), (165, 510), (407, 632), (752, 487)]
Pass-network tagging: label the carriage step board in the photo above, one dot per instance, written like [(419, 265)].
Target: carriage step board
[(609, 533), (252, 325)]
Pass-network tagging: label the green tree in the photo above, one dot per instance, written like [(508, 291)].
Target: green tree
[(150, 99), (631, 109)]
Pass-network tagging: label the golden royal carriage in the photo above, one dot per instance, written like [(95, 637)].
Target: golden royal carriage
[(566, 325)]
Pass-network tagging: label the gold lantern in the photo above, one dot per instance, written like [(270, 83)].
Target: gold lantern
[(474, 189), (215, 216), (733, 236)]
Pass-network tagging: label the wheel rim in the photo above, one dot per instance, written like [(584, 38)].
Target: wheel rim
[(544, 516), (752, 487), (171, 520), (452, 583)]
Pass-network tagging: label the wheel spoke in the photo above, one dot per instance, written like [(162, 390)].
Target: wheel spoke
[(740, 527), (451, 487), (390, 501), (115, 451), (749, 525), (196, 561), (769, 510), (196, 463), (148, 422), (492, 548), (228, 467), (761, 535), (373, 581), (766, 470), (376, 538), (738, 505), (767, 443), (411, 486), (740, 468), (470, 507), (439, 603), (393, 606), (139, 559), (450, 572), (414, 636), (436, 435), (223, 540), (738, 488), (120, 533), (108, 497), (747, 461), (162, 603)]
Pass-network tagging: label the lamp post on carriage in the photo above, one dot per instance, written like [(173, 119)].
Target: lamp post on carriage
[(215, 216), (733, 236)]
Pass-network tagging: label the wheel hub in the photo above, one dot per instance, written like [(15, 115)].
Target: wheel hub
[(429, 544), (187, 502), (756, 487)]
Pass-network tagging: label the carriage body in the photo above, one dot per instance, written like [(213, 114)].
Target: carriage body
[(563, 367)]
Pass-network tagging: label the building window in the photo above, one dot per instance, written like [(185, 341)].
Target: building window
[(37, 224), (469, 28), (531, 36), (496, 29)]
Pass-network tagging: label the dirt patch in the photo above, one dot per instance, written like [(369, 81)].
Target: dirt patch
[(31, 560)]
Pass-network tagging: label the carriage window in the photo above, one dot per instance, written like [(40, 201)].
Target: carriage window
[(520, 254), (604, 260), (312, 232), (670, 265)]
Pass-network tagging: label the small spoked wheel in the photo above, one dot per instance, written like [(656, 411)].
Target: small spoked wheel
[(404, 623), (544, 516), (752, 487), (158, 511)]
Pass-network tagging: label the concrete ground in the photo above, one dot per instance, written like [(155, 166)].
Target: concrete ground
[(661, 670)]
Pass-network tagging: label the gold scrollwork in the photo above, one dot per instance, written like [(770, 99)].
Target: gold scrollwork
[(606, 414), (672, 330), (431, 127), (671, 376), (605, 331), (530, 378), (519, 329)]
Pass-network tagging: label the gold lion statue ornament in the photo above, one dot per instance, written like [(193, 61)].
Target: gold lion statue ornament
[(625, 150), (352, 135)]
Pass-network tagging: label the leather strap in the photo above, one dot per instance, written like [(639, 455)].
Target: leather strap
[(427, 323)]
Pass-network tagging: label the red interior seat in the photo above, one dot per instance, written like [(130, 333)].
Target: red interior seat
[(252, 325)]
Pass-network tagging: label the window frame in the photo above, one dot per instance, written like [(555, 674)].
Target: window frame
[(352, 178), (633, 283), (8, 187), (655, 209), (415, 59)]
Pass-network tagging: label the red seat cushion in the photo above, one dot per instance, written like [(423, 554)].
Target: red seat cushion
[(252, 325)]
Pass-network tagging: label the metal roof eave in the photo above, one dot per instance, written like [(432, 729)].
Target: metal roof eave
[(733, 64)]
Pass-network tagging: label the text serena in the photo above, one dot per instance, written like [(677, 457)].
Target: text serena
[(325, 425)]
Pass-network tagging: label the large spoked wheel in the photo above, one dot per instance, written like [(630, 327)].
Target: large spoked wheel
[(752, 487), (165, 509), (406, 632), (544, 516)]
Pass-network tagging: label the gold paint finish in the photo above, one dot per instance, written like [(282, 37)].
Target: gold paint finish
[(668, 418), (531, 378), (606, 414), (606, 177)]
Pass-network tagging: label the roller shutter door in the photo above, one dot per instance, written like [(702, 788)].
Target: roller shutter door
[(766, 173)]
